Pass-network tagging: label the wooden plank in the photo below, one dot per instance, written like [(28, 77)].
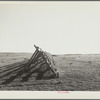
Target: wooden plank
[(47, 63), (49, 59), (25, 78), (32, 60), (13, 71)]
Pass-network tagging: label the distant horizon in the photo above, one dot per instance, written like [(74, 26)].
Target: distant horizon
[(51, 53)]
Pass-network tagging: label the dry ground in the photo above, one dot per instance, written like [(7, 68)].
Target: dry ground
[(77, 73)]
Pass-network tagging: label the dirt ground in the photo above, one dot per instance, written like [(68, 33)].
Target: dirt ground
[(77, 73)]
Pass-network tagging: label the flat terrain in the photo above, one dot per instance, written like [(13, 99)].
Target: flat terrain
[(77, 73)]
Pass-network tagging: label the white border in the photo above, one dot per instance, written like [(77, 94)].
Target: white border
[(47, 94)]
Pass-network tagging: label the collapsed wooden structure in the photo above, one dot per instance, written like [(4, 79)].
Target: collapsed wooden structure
[(41, 63)]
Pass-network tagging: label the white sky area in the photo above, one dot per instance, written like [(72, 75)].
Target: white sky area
[(57, 27)]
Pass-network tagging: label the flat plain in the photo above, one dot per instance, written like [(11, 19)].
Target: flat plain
[(78, 72)]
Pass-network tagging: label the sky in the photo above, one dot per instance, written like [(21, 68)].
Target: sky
[(57, 27)]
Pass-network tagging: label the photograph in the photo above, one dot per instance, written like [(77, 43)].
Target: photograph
[(50, 46)]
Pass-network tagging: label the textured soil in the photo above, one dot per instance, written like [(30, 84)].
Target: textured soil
[(77, 73)]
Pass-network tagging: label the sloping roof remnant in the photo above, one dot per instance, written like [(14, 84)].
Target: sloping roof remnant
[(41, 65)]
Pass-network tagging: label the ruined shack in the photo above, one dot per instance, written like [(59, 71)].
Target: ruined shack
[(41, 64)]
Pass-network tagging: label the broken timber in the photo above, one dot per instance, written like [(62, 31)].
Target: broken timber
[(40, 62), (38, 55)]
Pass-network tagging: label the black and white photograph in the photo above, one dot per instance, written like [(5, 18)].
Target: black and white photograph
[(50, 46)]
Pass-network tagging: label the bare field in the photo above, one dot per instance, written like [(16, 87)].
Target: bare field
[(77, 73)]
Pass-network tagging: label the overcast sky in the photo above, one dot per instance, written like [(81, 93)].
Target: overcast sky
[(56, 27)]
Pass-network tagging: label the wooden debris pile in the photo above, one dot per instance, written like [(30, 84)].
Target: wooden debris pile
[(41, 63)]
